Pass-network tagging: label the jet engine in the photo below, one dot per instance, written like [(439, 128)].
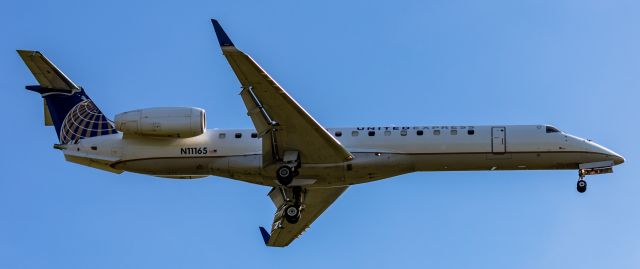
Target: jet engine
[(178, 122)]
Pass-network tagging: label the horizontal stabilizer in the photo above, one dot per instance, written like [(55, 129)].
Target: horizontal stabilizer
[(45, 72)]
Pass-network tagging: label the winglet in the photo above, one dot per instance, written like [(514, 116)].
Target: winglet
[(265, 235), (223, 38)]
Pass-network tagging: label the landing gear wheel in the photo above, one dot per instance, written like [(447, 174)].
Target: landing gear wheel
[(284, 174), (581, 186), (292, 214)]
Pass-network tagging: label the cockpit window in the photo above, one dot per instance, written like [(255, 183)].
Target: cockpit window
[(551, 129)]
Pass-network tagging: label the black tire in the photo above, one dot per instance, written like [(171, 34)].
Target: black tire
[(581, 186), (292, 214), (284, 174)]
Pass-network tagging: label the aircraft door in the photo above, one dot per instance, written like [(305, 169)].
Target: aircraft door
[(498, 140)]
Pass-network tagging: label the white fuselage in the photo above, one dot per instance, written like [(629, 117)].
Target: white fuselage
[(379, 152)]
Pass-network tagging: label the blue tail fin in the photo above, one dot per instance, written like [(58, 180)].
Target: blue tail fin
[(67, 106)]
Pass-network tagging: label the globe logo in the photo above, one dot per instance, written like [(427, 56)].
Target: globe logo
[(85, 120)]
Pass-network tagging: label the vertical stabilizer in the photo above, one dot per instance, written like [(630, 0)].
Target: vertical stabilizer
[(67, 106)]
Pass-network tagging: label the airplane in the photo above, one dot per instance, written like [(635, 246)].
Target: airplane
[(306, 165)]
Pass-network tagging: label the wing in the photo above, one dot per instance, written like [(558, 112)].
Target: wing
[(316, 201), (281, 122)]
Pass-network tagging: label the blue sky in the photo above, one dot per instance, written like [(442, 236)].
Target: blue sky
[(573, 64)]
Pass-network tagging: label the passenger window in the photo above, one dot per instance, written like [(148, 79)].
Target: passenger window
[(551, 129), (419, 132), (403, 133), (338, 133), (471, 132), (254, 135), (387, 133), (454, 132), (238, 135), (436, 132), (372, 133), (354, 133), (222, 135)]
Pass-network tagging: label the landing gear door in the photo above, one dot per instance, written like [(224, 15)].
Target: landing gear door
[(498, 140)]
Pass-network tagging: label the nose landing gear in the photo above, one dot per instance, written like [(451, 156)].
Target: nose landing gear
[(581, 186), (595, 168)]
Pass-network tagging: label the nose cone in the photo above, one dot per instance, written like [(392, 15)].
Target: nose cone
[(618, 159), (611, 155)]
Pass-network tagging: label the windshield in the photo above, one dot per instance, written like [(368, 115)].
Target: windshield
[(551, 129)]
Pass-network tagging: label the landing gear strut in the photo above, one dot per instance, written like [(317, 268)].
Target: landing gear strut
[(581, 186)]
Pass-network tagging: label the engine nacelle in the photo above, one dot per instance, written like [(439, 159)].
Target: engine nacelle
[(179, 122)]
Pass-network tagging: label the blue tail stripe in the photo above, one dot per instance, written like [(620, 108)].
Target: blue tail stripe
[(74, 115)]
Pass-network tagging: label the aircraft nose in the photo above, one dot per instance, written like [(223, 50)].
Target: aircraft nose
[(615, 157), (618, 159)]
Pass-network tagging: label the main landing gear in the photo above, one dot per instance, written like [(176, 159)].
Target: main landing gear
[(293, 195), (292, 212), (289, 168), (285, 175), (581, 186)]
